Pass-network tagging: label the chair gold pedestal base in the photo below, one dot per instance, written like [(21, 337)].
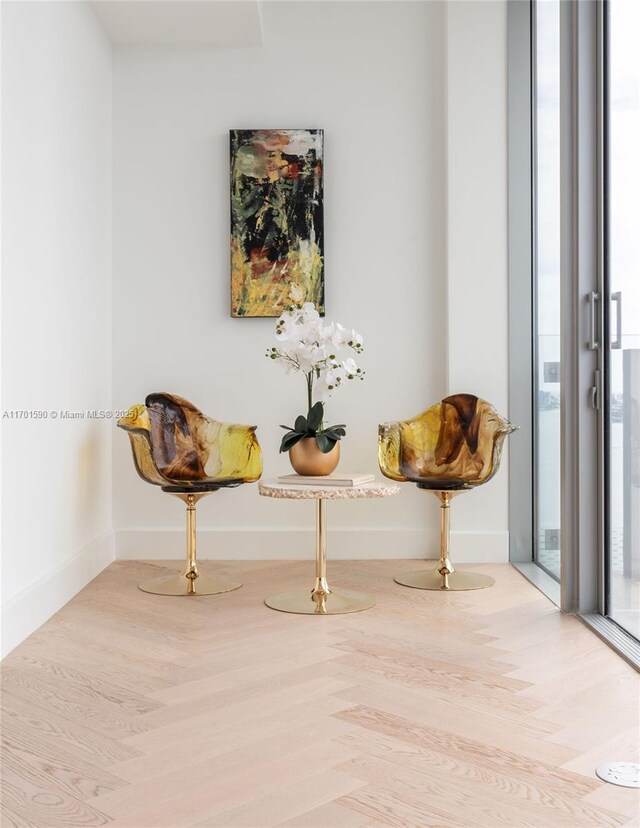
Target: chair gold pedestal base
[(190, 581), (302, 602), (444, 577), (181, 585), (432, 579)]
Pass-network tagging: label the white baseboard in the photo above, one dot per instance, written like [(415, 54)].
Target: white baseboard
[(265, 544), (30, 608)]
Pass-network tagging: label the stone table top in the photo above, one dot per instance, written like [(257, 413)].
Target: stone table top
[(297, 491)]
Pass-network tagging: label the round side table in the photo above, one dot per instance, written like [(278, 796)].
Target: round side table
[(321, 600)]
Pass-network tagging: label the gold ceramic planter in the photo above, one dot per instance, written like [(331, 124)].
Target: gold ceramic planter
[(307, 459)]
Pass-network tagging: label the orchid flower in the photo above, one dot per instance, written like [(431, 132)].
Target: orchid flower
[(309, 345)]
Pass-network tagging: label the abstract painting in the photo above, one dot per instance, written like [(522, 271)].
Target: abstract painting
[(277, 238)]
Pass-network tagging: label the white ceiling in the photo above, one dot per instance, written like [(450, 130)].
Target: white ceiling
[(224, 23)]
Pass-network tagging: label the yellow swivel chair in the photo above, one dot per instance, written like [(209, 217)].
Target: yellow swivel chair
[(189, 455), (451, 447)]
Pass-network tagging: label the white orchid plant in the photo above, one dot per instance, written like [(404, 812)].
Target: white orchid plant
[(308, 345)]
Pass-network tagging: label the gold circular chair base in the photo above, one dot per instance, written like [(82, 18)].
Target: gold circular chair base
[(301, 602), (181, 585), (432, 579)]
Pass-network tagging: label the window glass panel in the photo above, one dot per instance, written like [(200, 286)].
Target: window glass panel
[(622, 286), (547, 285)]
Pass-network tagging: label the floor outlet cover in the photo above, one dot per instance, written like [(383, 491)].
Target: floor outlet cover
[(626, 774)]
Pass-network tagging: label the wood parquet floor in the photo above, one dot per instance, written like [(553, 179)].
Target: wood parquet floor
[(485, 708)]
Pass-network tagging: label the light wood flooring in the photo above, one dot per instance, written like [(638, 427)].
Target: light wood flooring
[(484, 708)]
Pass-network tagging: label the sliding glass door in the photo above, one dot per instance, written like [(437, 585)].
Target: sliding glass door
[(574, 304), (621, 290)]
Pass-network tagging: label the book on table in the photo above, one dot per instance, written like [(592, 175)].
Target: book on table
[(327, 480)]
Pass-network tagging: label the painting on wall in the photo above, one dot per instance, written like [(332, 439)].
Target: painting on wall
[(277, 238)]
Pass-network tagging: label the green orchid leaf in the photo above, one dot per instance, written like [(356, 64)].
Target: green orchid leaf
[(287, 428), (332, 434), (300, 425), (290, 440), (325, 444), (314, 418)]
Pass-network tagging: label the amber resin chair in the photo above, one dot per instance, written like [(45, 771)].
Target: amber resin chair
[(451, 447), (175, 446)]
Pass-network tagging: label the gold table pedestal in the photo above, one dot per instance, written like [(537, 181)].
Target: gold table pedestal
[(190, 581), (302, 602), (321, 600), (444, 577)]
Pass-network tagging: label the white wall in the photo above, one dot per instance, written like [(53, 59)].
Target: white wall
[(414, 110), (477, 290), (372, 75), (56, 334)]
